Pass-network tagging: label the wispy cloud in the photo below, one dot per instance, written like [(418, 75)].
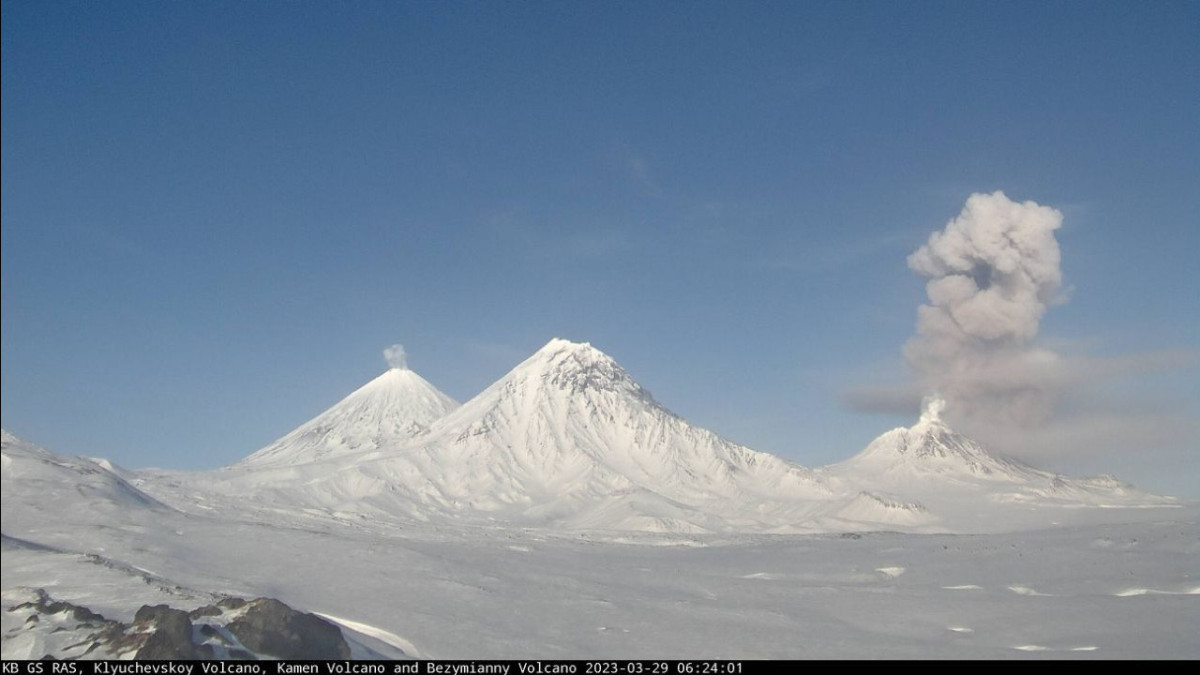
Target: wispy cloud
[(637, 168), (396, 357)]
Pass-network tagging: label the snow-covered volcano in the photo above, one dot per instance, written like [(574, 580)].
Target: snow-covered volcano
[(970, 488), (567, 437), (932, 450), (568, 440), (386, 412)]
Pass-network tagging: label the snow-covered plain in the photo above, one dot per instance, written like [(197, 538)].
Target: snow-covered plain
[(563, 513), (1113, 591)]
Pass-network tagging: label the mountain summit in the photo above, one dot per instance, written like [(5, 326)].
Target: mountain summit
[(566, 438), (970, 487), (569, 440), (932, 447), (387, 412)]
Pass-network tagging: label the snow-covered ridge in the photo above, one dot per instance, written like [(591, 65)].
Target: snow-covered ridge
[(565, 439), (32, 472), (568, 440)]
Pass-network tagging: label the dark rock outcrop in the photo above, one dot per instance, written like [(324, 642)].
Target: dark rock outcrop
[(232, 629), (273, 628), (170, 636)]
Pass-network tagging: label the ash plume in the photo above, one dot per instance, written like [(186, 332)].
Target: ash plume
[(993, 271)]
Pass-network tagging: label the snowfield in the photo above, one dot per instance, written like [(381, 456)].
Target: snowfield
[(1107, 591), (564, 513)]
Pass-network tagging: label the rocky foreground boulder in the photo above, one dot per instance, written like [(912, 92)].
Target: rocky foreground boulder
[(233, 628), (268, 626)]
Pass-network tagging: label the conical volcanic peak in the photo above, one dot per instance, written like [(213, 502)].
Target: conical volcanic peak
[(931, 445), (970, 488), (568, 438), (576, 368), (385, 413), (561, 380)]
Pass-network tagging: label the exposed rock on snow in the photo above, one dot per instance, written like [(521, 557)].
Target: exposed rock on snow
[(169, 635), (38, 626), (270, 627), (869, 508)]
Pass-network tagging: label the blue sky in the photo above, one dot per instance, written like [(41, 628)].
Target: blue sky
[(215, 215)]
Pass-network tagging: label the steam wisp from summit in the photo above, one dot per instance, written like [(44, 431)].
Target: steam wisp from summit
[(931, 409), (396, 357)]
